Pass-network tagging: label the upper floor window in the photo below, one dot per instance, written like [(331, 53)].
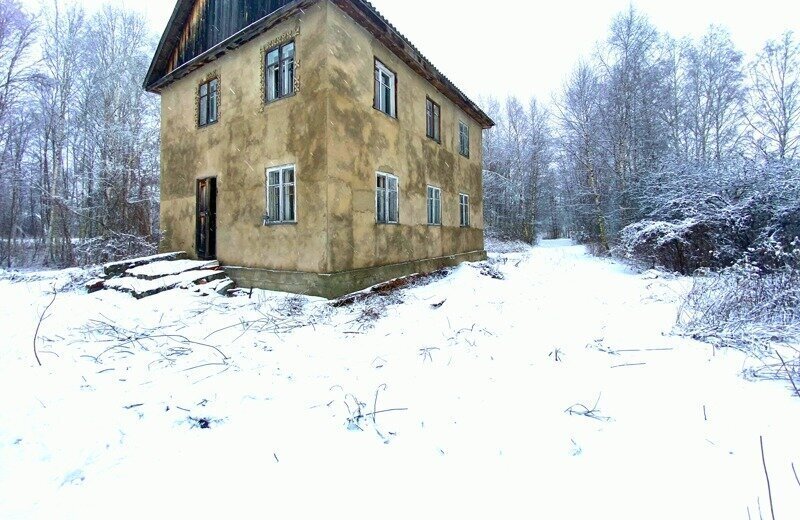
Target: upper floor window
[(209, 102), (387, 199), (463, 139), (434, 206), (281, 196), (385, 90), (280, 72), (433, 120), (464, 209)]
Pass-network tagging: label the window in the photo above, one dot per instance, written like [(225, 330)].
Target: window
[(463, 139), (386, 199), (281, 196), (464, 209), (280, 72), (209, 102), (434, 206), (433, 120), (385, 90)]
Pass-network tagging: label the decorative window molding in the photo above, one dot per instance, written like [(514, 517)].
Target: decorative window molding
[(433, 120), (280, 71), (281, 194), (464, 210), (387, 199), (385, 90), (434, 206), (463, 139), (280, 41), (208, 101)]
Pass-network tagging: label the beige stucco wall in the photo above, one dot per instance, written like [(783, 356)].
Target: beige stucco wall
[(250, 137), (337, 141), (363, 141)]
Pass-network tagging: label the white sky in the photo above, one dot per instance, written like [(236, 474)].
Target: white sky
[(527, 48)]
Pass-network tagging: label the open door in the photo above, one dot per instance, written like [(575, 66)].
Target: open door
[(207, 219)]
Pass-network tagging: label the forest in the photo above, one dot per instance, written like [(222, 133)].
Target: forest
[(79, 137), (667, 153)]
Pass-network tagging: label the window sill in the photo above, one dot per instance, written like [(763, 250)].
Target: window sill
[(435, 225), (387, 223), (390, 116), (272, 224), (278, 100), (203, 127), (437, 141)]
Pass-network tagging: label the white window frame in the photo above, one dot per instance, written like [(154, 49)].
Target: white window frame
[(463, 144), (387, 195), (464, 209), (282, 185), (281, 74), (434, 206), (380, 85)]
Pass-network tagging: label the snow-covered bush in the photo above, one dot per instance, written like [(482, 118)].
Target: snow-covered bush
[(714, 216), (680, 247), (114, 246), (747, 305)]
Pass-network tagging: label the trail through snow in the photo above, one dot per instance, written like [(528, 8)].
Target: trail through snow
[(206, 407)]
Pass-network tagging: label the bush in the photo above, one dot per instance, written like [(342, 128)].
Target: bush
[(747, 306), (113, 247), (681, 247)]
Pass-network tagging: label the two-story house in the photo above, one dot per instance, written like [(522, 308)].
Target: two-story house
[(311, 148)]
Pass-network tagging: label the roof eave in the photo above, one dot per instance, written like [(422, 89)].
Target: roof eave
[(233, 42), (366, 15), (363, 12)]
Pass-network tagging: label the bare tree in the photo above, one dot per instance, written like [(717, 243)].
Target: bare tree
[(775, 98), (17, 74), (716, 95), (580, 116)]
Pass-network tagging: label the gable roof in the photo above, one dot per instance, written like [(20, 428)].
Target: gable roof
[(362, 11)]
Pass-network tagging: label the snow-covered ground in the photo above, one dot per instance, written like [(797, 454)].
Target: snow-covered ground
[(190, 406)]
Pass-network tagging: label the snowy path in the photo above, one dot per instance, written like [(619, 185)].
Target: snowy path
[(477, 374)]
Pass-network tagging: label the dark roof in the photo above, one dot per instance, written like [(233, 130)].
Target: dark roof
[(362, 11)]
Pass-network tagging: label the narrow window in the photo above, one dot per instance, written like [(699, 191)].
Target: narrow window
[(280, 72), (433, 120), (464, 210), (209, 102), (281, 196), (463, 139), (434, 206), (386, 199), (385, 90)]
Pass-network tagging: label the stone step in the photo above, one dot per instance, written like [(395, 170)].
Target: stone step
[(164, 268), (118, 268), (144, 288)]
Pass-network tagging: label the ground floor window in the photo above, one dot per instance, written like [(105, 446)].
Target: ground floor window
[(281, 195), (434, 206), (464, 207), (386, 199)]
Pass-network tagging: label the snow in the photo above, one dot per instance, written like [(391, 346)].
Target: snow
[(144, 287), (169, 268), (478, 374), (143, 260)]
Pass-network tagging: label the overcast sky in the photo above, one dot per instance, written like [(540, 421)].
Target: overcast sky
[(527, 48)]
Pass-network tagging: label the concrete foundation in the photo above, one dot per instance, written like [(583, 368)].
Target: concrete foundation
[(335, 285)]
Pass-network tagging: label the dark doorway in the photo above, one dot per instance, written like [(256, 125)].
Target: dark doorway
[(207, 219)]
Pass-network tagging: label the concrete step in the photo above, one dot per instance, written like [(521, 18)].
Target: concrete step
[(140, 288), (118, 268), (170, 268)]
